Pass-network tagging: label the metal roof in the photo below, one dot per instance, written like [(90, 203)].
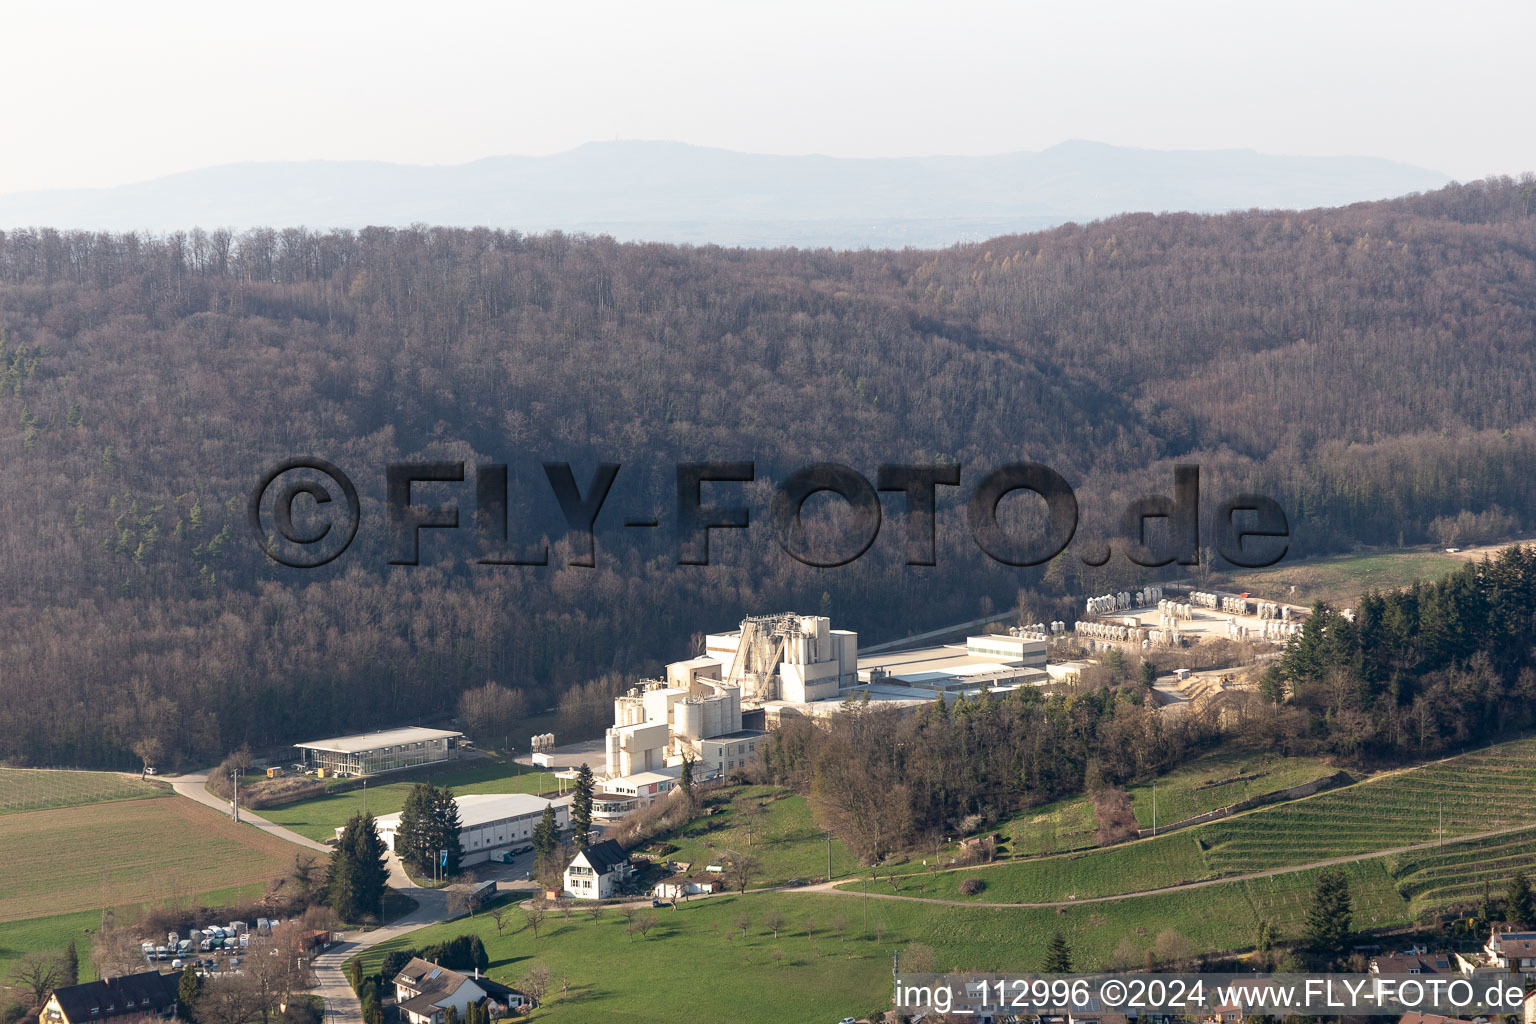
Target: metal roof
[(476, 809), (374, 740)]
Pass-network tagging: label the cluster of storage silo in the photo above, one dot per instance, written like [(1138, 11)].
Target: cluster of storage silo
[(1273, 610), (1107, 603), (1270, 629), (1148, 596), (1170, 611), (1163, 638), (1109, 631), (543, 741), (1105, 631), (1037, 630), (1204, 599)]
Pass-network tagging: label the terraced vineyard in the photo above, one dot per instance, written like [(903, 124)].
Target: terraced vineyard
[(1477, 792), (1457, 873), (1284, 900), (1210, 781), (1480, 792)]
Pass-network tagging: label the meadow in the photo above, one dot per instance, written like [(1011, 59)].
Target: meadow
[(1132, 867), (832, 957), (1341, 581), (128, 852), (26, 789), (785, 839)]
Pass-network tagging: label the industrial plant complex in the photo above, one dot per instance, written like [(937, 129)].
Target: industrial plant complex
[(711, 713), (714, 710)]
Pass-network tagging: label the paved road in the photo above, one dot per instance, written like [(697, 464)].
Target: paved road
[(831, 887), (194, 786), (341, 1003)]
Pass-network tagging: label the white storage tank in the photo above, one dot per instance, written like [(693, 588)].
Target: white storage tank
[(689, 716)]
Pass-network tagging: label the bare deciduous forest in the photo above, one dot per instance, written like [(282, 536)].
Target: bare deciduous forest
[(1372, 368)]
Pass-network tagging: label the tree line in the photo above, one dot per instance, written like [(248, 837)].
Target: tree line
[(1430, 668), (883, 781)]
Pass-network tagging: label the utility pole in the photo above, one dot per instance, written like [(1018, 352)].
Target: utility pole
[(234, 801), (829, 856), (1154, 807), (365, 796)]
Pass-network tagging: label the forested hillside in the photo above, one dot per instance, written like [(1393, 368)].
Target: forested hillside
[(1372, 368)]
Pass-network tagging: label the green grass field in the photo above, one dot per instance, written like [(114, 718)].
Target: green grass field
[(1134, 867), (24, 789), (319, 818), (785, 841), (834, 971), (128, 852), (1341, 581)]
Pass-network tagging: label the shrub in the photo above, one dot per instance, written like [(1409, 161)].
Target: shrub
[(972, 886)]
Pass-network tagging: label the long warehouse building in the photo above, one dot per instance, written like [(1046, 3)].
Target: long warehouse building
[(489, 822), (390, 750)]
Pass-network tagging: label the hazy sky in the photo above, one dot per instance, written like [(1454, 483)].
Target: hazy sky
[(102, 94)]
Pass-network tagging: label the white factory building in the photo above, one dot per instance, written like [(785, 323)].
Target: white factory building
[(796, 658), (489, 823), (779, 666), (691, 714)]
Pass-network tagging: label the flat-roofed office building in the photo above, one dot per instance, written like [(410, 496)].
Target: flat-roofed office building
[(373, 752)]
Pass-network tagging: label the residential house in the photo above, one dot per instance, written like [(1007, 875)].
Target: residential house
[(1512, 951), (147, 996), (598, 872), (424, 992), (1413, 963)]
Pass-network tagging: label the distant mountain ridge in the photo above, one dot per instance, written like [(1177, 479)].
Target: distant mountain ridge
[(674, 192)]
